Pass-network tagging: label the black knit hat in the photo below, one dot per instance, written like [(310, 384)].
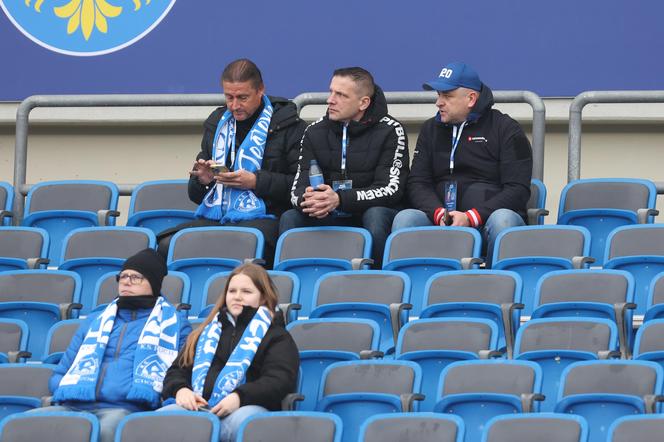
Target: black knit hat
[(151, 265)]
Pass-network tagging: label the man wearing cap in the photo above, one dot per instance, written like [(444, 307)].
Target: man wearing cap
[(116, 361), (472, 164)]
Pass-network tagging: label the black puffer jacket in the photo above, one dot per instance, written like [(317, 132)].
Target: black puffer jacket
[(274, 179), (271, 375), (377, 158), (492, 165)]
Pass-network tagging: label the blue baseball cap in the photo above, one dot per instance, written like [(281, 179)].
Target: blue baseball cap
[(455, 75)]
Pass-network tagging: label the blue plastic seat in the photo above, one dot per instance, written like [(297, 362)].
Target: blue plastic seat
[(189, 426), (14, 335), (22, 387), (536, 206), (311, 252), (94, 251), (640, 428), (488, 294), (604, 204), (357, 390), (23, 248), (591, 293), (40, 298), (649, 343), (63, 425), (322, 342), (640, 251), (160, 205), (6, 203), (477, 391), (291, 426), (533, 251), (62, 206), (436, 343), (203, 251), (58, 339), (541, 427), (655, 302), (603, 391), (420, 252), (555, 343), (420, 427), (379, 295)]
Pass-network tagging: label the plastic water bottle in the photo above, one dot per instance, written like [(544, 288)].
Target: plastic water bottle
[(315, 175)]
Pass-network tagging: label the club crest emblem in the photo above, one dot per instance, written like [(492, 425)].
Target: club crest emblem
[(246, 202), (86, 27)]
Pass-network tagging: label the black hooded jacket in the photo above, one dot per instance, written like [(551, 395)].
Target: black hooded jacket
[(275, 177), (271, 375), (377, 158), (492, 164)]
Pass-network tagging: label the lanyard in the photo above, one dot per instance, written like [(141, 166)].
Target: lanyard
[(344, 146), (230, 141), (456, 136)]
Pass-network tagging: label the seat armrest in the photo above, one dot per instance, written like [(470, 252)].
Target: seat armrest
[(287, 308), (468, 263), (258, 261), (288, 403), (651, 401), (183, 306), (66, 309), (620, 310), (407, 400), (396, 309), (15, 356), (104, 215), (36, 263), (371, 354), (642, 215), (579, 262), (46, 401), (534, 216), (359, 263), (527, 400), (6, 214), (490, 354), (507, 310), (608, 354)]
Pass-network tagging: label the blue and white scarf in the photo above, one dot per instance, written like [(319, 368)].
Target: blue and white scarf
[(156, 350), (235, 370), (233, 205)]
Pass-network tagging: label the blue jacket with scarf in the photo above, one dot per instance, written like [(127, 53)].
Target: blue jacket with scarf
[(115, 376)]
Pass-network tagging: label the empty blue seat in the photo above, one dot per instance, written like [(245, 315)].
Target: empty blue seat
[(536, 206), (23, 248), (62, 206), (420, 427), (649, 343), (655, 302), (291, 426), (191, 426), (640, 428), (14, 336), (22, 387), (58, 339), (603, 204), (64, 425), (6, 204), (542, 427), (160, 205)]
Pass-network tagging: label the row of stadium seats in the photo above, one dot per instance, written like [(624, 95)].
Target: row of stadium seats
[(476, 391)]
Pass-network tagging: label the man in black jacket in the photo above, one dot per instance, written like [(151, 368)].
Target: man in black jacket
[(472, 165), (244, 90), (363, 155)]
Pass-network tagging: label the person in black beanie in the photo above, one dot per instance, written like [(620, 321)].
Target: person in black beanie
[(114, 373)]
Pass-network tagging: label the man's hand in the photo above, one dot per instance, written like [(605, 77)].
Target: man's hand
[(189, 400), (459, 219), (227, 405), (319, 204), (240, 179), (202, 171)]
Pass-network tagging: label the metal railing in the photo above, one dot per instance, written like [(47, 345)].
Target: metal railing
[(576, 119)]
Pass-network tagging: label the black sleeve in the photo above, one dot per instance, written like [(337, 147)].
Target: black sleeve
[(197, 190), (421, 192), (301, 180), (277, 378), (176, 377), (390, 176), (276, 185)]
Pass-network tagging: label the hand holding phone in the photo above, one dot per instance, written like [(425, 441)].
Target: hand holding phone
[(219, 168)]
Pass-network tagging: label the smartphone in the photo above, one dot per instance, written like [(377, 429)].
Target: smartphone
[(447, 219), (219, 168)]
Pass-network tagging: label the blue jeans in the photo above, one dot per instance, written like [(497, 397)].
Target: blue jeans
[(498, 221), (109, 418), (377, 220), (231, 423)]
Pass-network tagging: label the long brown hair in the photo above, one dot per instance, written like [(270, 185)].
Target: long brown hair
[(269, 298)]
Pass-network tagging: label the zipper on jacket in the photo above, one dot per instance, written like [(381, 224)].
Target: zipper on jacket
[(115, 356)]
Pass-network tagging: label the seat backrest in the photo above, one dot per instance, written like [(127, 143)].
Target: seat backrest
[(53, 286), (543, 427), (65, 426), (107, 242), (490, 286), (553, 241), (60, 334), (627, 194), (6, 196), (341, 334), (13, 335), (491, 376), (377, 286), (173, 287), (605, 286), (643, 239), (292, 427), (656, 295), (650, 337), (83, 195), (161, 195), (25, 379), (432, 242), (537, 198), (323, 242), (388, 377), (639, 428), (636, 378), (283, 282), (168, 425), (420, 427), (216, 242), (580, 334), (23, 242), (463, 334)]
